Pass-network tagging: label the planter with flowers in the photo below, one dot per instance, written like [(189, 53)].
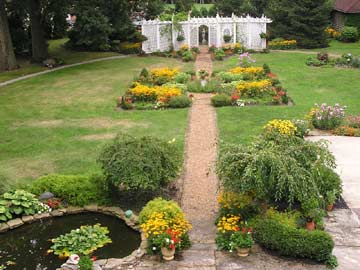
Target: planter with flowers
[(167, 241), (242, 241)]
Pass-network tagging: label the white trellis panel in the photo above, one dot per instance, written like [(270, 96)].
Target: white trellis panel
[(245, 30)]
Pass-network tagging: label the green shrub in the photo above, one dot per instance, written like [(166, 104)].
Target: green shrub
[(280, 169), (219, 54), (313, 61), (355, 63), (293, 242), (142, 164), (221, 100), (182, 77), (195, 86), (19, 203), (212, 86), (77, 190), (349, 34), (179, 102), (85, 263), (187, 56), (228, 77)]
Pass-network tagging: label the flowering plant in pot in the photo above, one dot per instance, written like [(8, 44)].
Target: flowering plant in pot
[(167, 242), (330, 199), (312, 213), (242, 241)]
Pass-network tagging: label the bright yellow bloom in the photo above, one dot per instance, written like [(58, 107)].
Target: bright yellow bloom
[(230, 223), (250, 70), (244, 86), (285, 127), (230, 200), (158, 92), (169, 73), (283, 43)]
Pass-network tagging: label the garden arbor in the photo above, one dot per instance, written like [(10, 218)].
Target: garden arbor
[(162, 35)]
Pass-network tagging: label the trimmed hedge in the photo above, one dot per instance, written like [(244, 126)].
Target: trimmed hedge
[(77, 190), (293, 242)]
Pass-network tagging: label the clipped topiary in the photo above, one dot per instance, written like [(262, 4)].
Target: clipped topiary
[(139, 164)]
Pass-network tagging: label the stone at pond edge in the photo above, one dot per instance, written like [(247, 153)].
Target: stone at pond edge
[(46, 196), (128, 213), (41, 216), (56, 213), (27, 219), (91, 208), (14, 223), (74, 210), (4, 227)]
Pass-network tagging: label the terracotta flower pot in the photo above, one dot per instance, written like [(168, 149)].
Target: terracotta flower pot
[(168, 254), (243, 252), (310, 226), (330, 207)]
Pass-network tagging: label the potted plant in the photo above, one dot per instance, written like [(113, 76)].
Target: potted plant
[(242, 241), (167, 242), (330, 199), (180, 38), (203, 74), (227, 38), (263, 35), (312, 213)]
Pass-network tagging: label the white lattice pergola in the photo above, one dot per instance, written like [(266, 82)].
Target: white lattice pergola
[(245, 30)]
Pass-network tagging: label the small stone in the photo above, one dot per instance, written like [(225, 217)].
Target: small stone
[(46, 196), (27, 219), (91, 208), (128, 213), (74, 210), (41, 216), (14, 223), (57, 213), (4, 227)]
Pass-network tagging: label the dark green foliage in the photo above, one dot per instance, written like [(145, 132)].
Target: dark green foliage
[(91, 31), (143, 164), (303, 21), (179, 102), (252, 7), (219, 54), (278, 169), (266, 68), (204, 12), (194, 86), (353, 20), (332, 262), (85, 263), (221, 100), (76, 190), (293, 242), (349, 34)]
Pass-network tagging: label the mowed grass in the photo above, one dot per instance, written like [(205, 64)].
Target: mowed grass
[(58, 122), (306, 85), (56, 49)]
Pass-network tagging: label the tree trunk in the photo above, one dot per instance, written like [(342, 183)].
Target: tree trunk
[(38, 41), (7, 55)]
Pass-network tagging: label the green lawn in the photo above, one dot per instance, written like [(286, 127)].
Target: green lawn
[(56, 49), (58, 121), (337, 47), (306, 85)]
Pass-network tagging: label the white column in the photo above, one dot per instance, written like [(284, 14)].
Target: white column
[(189, 34), (248, 27), (158, 37), (218, 35), (234, 33)]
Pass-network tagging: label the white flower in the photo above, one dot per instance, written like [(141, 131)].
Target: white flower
[(167, 240), (154, 248), (172, 241)]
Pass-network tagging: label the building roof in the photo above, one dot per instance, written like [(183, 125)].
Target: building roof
[(347, 6)]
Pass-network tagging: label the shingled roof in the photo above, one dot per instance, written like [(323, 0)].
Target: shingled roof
[(347, 6)]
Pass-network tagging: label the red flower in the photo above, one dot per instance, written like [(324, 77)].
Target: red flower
[(93, 258), (281, 93), (249, 230), (237, 229), (172, 246), (243, 230)]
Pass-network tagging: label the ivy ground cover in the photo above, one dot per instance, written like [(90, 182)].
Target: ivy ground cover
[(58, 122), (306, 87)]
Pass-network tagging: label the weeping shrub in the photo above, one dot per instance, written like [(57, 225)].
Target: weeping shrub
[(139, 164), (280, 169)]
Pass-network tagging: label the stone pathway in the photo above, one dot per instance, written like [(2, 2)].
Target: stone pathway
[(59, 68), (203, 60), (344, 225)]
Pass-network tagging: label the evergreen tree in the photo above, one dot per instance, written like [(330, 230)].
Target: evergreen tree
[(304, 21)]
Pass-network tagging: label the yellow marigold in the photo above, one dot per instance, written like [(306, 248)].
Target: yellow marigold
[(164, 72), (229, 200), (158, 223), (162, 93), (251, 70), (229, 223), (285, 127), (259, 85)]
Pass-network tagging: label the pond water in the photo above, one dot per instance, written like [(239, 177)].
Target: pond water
[(26, 246)]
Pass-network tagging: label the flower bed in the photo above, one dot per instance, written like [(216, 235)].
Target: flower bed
[(281, 44), (347, 60), (248, 85), (279, 170), (157, 89)]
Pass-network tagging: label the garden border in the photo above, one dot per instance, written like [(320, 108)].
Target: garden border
[(117, 212)]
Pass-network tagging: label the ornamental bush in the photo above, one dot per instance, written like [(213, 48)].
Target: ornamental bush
[(221, 100), (78, 190), (278, 169), (139, 164), (293, 242), (179, 102), (349, 34)]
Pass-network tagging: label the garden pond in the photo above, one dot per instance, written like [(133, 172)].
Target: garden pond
[(25, 248)]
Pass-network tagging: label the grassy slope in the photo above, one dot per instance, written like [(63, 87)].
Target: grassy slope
[(305, 85), (43, 119), (56, 49)]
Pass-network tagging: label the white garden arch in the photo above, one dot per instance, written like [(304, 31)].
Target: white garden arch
[(245, 30)]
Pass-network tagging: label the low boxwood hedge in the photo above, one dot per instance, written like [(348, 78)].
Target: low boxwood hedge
[(293, 242)]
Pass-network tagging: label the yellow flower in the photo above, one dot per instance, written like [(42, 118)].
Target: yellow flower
[(229, 223), (250, 70), (164, 72), (284, 127), (161, 93), (244, 86)]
